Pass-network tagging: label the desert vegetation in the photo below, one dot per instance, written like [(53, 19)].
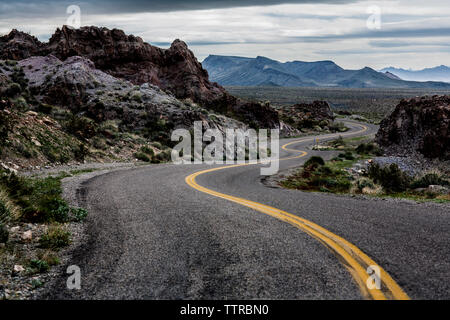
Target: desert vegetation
[(354, 171), (374, 104), (35, 224)]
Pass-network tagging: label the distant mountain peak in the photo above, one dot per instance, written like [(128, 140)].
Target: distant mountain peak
[(439, 73), (241, 71)]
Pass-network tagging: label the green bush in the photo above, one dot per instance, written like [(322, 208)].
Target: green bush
[(13, 90), (59, 210), (45, 108), (391, 178), (429, 179), (142, 156), (364, 183), (5, 128), (5, 213), (38, 266), (157, 145), (79, 214), (339, 142), (347, 155), (369, 148), (39, 198), (147, 150), (81, 152), (55, 237), (82, 127), (164, 156), (316, 177), (338, 127), (314, 161)]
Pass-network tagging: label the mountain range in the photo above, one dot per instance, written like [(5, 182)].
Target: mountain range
[(440, 73), (262, 71)]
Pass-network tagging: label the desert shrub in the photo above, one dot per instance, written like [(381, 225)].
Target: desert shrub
[(38, 266), (45, 108), (79, 214), (4, 233), (164, 156), (137, 97), (314, 161), (347, 155), (13, 90), (56, 237), (369, 148), (316, 177), (306, 123), (339, 142), (49, 152), (142, 156), (5, 213), (364, 183), (337, 127), (18, 76), (157, 145), (391, 178), (59, 210), (429, 179), (48, 256), (82, 127), (147, 150), (11, 63), (81, 152), (39, 199), (5, 128)]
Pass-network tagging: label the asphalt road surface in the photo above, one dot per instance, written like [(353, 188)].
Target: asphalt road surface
[(154, 236)]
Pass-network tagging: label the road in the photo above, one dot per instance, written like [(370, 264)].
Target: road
[(168, 232)]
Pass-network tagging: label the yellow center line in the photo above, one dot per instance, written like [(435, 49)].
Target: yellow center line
[(354, 259)]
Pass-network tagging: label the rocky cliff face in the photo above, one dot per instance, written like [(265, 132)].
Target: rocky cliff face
[(19, 45), (128, 57), (308, 115), (418, 125)]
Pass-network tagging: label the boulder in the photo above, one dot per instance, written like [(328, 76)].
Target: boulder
[(308, 115), (418, 125)]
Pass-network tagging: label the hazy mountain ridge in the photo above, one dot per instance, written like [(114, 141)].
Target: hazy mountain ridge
[(262, 71), (439, 73)]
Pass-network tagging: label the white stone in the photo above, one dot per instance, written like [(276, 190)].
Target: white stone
[(18, 268), (27, 235)]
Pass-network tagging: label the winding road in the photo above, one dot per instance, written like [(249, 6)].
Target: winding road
[(218, 232)]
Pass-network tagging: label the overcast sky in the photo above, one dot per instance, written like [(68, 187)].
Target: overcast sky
[(412, 34)]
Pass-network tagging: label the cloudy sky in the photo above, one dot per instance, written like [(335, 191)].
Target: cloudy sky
[(411, 34)]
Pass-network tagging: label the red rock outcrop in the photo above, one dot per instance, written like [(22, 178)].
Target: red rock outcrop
[(125, 56), (308, 115), (418, 125), (18, 45)]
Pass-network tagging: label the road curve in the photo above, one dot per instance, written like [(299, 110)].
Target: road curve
[(153, 236)]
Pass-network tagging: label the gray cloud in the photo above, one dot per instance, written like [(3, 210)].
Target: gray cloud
[(136, 6)]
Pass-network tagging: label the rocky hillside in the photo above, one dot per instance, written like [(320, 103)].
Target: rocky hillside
[(419, 125), (306, 116), (129, 58), (54, 112)]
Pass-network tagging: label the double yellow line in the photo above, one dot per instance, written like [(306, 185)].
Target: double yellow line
[(352, 257)]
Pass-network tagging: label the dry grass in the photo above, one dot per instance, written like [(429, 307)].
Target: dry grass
[(14, 211)]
